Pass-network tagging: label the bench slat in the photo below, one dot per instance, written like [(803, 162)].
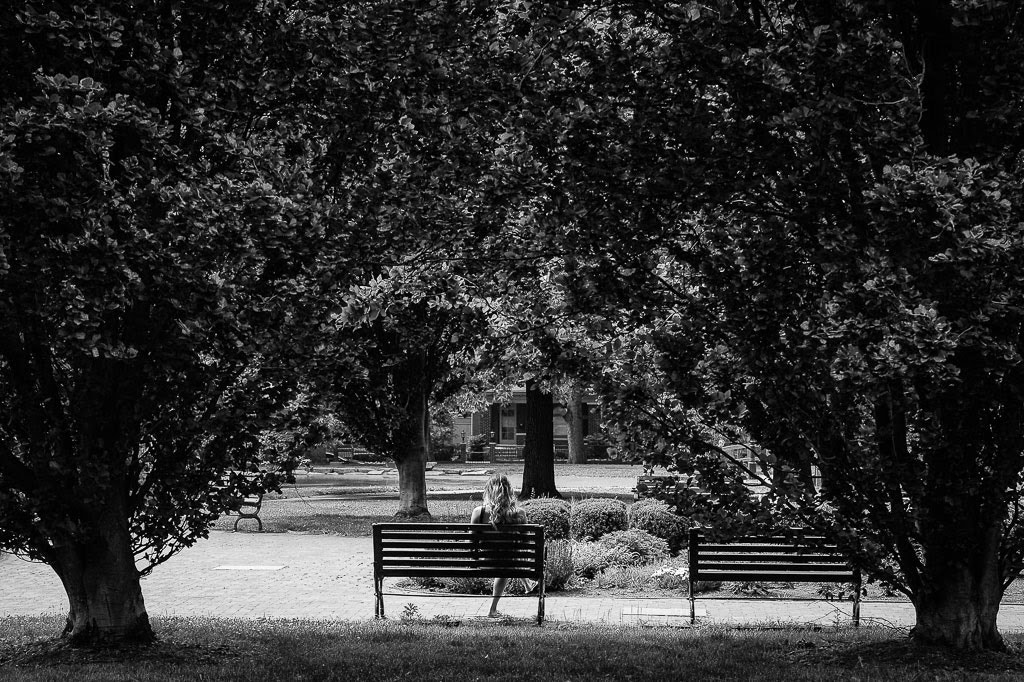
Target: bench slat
[(772, 576), (387, 554), (480, 536), (795, 550), (463, 563), (454, 546), (417, 572), (794, 559), (795, 569)]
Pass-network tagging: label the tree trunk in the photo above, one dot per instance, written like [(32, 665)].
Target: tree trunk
[(411, 460), (960, 601), (539, 450), (102, 585), (574, 418)]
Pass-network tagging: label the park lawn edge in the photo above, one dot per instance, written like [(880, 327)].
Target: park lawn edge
[(445, 648)]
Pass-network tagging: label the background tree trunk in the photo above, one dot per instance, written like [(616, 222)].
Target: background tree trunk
[(574, 418), (411, 459), (539, 450)]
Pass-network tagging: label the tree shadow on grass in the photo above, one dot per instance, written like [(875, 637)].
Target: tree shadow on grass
[(58, 652), (929, 660)]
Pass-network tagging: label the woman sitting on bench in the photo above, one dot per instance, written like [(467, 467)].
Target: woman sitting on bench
[(499, 508)]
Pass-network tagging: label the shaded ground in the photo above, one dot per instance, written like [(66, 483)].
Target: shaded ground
[(201, 648)]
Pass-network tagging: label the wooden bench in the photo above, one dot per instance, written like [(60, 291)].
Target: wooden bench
[(457, 550), (794, 558)]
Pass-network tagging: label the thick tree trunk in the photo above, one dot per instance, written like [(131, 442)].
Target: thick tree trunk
[(960, 601), (539, 450), (574, 418), (103, 588), (411, 460)]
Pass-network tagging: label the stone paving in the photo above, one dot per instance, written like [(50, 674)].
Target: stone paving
[(291, 575)]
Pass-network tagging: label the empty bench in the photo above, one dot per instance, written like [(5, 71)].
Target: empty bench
[(457, 550), (249, 508), (796, 558)]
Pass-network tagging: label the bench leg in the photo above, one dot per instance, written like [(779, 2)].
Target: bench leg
[(693, 605), (378, 602), (249, 516), (540, 603)]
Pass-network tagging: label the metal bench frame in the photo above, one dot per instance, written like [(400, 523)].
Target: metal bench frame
[(794, 558), (456, 550), (250, 509)]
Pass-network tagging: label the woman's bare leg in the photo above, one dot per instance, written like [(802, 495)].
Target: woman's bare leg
[(499, 589)]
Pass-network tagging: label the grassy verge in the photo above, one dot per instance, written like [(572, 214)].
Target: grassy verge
[(211, 649), (311, 513)]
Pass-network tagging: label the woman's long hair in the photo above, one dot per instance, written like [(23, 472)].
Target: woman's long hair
[(500, 501)]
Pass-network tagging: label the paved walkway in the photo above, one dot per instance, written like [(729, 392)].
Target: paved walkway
[(285, 575)]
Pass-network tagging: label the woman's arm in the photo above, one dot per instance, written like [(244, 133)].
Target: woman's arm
[(477, 513)]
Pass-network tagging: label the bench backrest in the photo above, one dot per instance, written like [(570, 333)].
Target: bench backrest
[(458, 550), (800, 558)]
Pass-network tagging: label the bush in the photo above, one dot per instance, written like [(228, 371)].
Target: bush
[(590, 558), (551, 513), (558, 565), (655, 517), (591, 518), (442, 453), (638, 545)]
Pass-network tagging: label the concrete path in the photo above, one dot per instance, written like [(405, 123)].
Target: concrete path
[(285, 575)]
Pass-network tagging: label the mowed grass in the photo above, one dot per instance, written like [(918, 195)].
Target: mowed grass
[(216, 649), (310, 513)]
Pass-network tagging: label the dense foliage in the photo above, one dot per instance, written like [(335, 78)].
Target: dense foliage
[(552, 513), (593, 517)]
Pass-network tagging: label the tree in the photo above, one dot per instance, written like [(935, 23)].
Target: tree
[(402, 335), (395, 354), (769, 195), (152, 235), (539, 450), (572, 397)]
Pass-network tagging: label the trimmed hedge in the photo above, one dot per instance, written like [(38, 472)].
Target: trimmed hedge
[(655, 517), (594, 517), (550, 512)]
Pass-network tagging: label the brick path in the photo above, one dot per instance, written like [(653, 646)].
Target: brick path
[(331, 577)]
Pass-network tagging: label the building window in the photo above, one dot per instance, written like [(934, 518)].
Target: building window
[(508, 424)]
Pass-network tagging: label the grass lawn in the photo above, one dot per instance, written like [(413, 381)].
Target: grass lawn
[(212, 649)]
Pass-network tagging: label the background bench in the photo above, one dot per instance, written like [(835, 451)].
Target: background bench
[(249, 508), (457, 550), (797, 558)]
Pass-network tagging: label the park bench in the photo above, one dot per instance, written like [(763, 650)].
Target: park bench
[(249, 508), (457, 550), (792, 558)]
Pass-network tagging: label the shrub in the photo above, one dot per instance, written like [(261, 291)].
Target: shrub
[(558, 565), (551, 513), (655, 517), (640, 546), (590, 558), (623, 577), (591, 518)]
